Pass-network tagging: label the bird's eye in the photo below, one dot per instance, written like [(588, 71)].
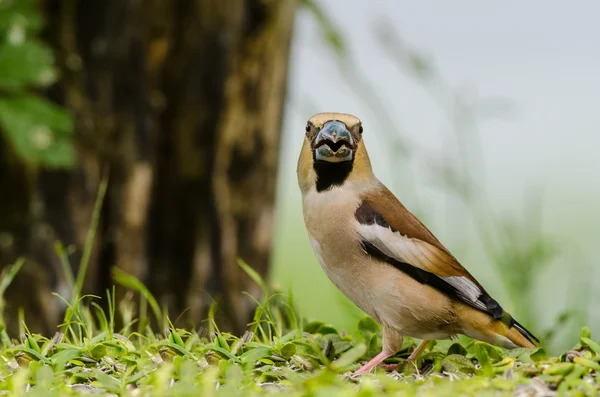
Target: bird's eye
[(307, 127), (360, 129)]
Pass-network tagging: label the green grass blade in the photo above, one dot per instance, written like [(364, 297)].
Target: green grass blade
[(89, 242), (134, 284)]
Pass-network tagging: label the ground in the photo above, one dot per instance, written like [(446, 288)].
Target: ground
[(278, 354)]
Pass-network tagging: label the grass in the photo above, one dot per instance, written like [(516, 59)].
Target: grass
[(280, 353)]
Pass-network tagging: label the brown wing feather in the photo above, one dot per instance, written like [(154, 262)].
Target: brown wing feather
[(435, 257), (401, 240)]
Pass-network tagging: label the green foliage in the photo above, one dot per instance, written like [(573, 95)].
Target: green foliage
[(39, 131), (279, 354), (299, 363)]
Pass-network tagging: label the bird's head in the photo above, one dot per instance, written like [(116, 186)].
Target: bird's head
[(333, 152)]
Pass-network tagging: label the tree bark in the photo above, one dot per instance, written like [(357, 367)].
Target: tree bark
[(182, 102)]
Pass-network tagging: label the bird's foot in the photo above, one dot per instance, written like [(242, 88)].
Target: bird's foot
[(378, 360), (371, 364)]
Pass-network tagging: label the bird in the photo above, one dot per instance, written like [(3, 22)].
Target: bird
[(382, 257)]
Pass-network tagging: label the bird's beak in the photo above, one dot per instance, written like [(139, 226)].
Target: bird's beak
[(334, 143)]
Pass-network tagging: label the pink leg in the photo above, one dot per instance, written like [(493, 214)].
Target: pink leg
[(392, 367), (372, 364)]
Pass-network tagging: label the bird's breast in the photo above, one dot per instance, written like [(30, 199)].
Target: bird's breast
[(331, 224), (332, 229)]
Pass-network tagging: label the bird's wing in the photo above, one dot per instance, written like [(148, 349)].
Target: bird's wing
[(390, 232)]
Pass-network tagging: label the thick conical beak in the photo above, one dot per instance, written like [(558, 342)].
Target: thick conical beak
[(334, 143)]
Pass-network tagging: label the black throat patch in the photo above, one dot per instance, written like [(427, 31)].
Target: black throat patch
[(331, 174)]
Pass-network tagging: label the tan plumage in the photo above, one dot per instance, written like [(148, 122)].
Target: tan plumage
[(381, 256)]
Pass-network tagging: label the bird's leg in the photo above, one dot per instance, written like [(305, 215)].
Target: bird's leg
[(372, 364), (411, 359), (392, 342), (417, 352)]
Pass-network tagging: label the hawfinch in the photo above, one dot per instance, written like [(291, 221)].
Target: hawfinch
[(381, 256)]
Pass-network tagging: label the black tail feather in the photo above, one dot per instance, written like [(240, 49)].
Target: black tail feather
[(525, 332)]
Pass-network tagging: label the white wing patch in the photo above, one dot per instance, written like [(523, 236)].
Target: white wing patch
[(467, 288), (405, 249)]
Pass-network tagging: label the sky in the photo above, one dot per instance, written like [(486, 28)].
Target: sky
[(530, 70)]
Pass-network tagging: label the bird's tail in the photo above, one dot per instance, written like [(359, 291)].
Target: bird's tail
[(506, 331), (520, 336)]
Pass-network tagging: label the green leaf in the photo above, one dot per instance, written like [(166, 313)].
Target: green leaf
[(98, 338), (31, 343), (341, 346), (559, 369), (349, 358), (288, 350), (539, 355), (367, 325), (98, 351), (457, 348), (494, 352), (576, 373), (312, 327), (77, 363), (178, 349), (458, 364), (251, 356), (224, 353), (481, 352), (327, 329), (587, 363), (39, 131), (28, 63), (36, 355), (174, 338), (221, 342), (266, 361), (520, 353), (594, 346), (62, 357), (293, 334), (585, 333), (374, 345)]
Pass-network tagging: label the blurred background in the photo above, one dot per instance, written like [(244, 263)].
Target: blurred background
[(186, 119)]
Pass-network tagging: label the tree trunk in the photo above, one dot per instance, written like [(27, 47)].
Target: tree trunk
[(181, 101)]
